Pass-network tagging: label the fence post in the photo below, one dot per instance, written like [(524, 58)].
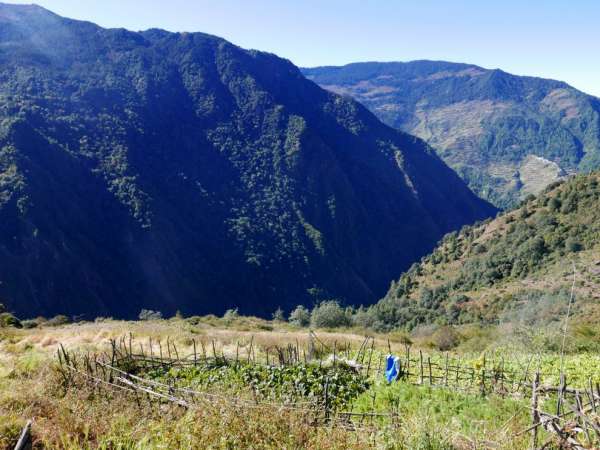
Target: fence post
[(561, 392), (446, 371), (195, 356), (326, 399), (458, 368), (483, 376), (370, 356), (535, 415), (591, 394), (407, 361), (421, 366), (430, 376), (334, 352)]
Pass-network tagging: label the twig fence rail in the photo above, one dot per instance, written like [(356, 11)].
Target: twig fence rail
[(573, 423)]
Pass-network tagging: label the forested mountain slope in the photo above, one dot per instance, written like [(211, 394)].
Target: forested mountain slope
[(516, 267), (177, 171), (507, 136)]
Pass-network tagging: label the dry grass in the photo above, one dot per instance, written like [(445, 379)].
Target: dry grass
[(30, 388), (80, 419)]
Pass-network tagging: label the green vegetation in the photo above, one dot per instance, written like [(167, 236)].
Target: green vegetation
[(534, 245), (300, 316), (455, 412), (173, 171), (329, 314), (278, 315), (148, 314), (7, 319), (413, 416), (486, 124), (290, 383)]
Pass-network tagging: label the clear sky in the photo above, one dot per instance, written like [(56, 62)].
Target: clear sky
[(549, 38)]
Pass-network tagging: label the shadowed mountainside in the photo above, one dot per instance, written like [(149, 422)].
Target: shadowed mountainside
[(178, 171)]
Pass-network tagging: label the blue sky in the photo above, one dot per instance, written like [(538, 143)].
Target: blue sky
[(551, 38)]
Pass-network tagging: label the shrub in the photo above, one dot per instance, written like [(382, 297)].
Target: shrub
[(148, 314), (573, 245), (194, 320), (329, 314), (230, 315), (479, 249), (300, 316), (8, 320), (364, 317), (101, 319), (554, 204), (445, 338), (28, 324), (58, 320), (278, 315), (400, 336)]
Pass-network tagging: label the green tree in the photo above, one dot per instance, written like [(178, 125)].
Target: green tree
[(329, 314), (300, 316), (148, 314), (278, 315)]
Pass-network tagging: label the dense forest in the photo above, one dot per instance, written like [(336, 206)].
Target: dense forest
[(177, 171)]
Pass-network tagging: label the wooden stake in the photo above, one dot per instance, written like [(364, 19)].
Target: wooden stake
[(561, 392), (446, 371), (370, 356), (250, 348), (535, 415), (483, 376), (195, 357), (334, 352), (430, 377), (421, 366)]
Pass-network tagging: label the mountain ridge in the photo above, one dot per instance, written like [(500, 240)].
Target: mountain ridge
[(178, 171), (482, 122)]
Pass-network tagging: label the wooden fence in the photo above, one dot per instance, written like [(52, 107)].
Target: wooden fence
[(115, 370), (573, 422)]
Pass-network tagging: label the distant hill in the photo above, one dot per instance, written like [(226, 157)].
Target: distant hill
[(515, 267), (507, 136), (177, 171)]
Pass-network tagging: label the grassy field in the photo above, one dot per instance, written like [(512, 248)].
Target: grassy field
[(424, 417)]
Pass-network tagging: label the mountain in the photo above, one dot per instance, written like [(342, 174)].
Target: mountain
[(507, 136), (177, 171), (517, 267)]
